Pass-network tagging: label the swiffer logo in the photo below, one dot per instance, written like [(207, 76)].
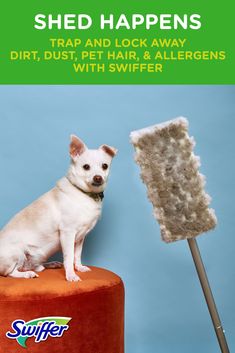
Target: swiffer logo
[(40, 328)]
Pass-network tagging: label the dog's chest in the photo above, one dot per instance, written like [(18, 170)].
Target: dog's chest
[(81, 214), (87, 219)]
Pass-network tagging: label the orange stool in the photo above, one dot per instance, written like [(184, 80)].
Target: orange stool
[(50, 315)]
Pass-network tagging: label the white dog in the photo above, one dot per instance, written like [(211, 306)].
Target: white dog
[(60, 219)]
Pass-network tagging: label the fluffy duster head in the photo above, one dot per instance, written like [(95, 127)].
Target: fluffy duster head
[(175, 187)]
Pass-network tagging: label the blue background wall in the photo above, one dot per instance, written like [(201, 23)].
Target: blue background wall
[(165, 308)]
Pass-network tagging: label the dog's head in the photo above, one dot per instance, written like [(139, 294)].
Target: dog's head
[(89, 169)]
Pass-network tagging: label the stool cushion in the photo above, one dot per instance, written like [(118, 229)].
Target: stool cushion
[(95, 306)]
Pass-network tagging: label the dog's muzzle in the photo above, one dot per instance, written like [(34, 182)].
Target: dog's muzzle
[(97, 180)]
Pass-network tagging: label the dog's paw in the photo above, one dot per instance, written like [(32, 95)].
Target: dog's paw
[(30, 274), (82, 268), (39, 268), (72, 277)]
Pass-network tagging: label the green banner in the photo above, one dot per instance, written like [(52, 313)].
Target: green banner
[(117, 42)]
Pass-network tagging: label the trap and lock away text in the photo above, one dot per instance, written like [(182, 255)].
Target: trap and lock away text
[(63, 47)]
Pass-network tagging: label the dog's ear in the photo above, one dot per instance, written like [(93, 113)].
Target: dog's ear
[(111, 151), (77, 147)]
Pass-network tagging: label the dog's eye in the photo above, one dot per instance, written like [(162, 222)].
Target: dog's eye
[(105, 166), (86, 167)]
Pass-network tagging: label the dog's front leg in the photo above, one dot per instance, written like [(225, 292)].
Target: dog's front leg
[(78, 256), (67, 240)]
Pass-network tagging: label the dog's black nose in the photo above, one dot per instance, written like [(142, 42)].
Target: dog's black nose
[(98, 179)]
